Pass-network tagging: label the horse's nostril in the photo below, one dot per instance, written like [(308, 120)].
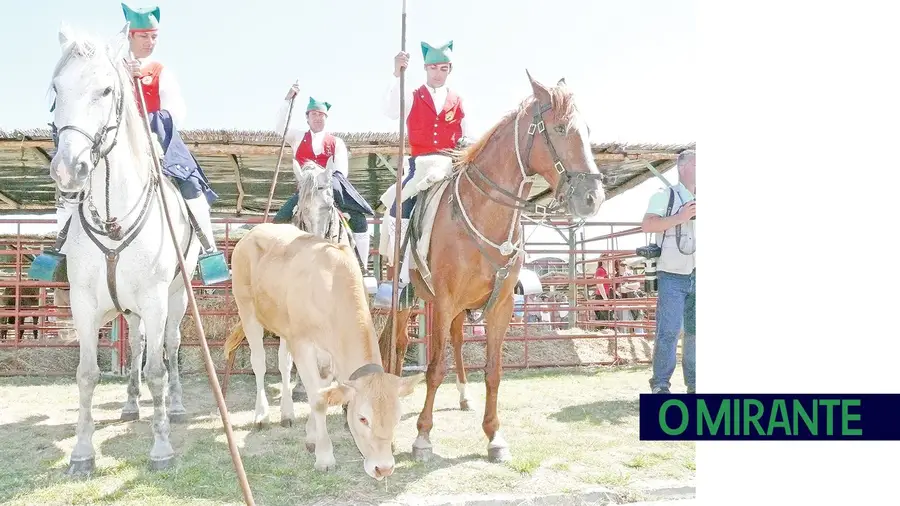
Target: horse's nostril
[(384, 471), (81, 167)]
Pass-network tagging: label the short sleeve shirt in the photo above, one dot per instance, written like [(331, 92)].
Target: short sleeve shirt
[(660, 200)]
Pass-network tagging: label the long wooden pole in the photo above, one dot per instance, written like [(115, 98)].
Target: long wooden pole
[(207, 359), (287, 124), (397, 204)]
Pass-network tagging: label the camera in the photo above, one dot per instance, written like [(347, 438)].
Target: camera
[(650, 253)]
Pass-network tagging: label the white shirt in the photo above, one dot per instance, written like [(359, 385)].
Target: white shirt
[(295, 136), (391, 102)]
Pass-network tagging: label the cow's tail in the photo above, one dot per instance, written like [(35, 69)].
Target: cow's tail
[(235, 338)]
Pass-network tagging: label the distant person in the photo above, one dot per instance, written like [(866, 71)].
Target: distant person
[(670, 215)]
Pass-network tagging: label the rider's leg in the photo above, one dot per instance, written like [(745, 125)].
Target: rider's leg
[(200, 209), (360, 228), (286, 213)]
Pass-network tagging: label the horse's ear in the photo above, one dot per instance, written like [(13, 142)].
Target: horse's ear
[(65, 34), (539, 90), (119, 46), (561, 82)]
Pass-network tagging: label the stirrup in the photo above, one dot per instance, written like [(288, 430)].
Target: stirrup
[(46, 266), (213, 268)]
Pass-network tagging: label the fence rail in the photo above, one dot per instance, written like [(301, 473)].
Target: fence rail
[(564, 317)]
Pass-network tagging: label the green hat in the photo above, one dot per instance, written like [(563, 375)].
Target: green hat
[(142, 20), (315, 105), (436, 55)]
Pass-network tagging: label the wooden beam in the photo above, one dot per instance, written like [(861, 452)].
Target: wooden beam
[(6, 199), (387, 164), (640, 178), (239, 206), (44, 154)]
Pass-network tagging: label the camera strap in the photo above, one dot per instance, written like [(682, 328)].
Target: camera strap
[(668, 213)]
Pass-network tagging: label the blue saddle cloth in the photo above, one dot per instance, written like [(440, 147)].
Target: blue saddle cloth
[(347, 198), (178, 162)]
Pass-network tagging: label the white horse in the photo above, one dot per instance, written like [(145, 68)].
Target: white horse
[(128, 265)]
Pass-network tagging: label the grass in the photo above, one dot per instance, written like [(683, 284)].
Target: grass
[(568, 429)]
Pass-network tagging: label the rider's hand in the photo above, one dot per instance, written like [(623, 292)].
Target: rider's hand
[(401, 61), (292, 92)]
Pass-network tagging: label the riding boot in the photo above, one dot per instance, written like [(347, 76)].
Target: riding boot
[(362, 247), (384, 296), (212, 264)]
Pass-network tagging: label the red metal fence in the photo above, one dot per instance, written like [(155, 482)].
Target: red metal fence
[(561, 318)]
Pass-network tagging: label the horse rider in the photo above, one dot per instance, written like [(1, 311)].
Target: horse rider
[(165, 109), (435, 122), (322, 147)]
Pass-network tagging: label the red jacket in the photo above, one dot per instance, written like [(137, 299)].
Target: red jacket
[(150, 85), (430, 129), (305, 150)]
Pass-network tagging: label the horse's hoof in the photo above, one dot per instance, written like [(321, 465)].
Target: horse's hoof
[(130, 416), (311, 447), (262, 424), (287, 422), (499, 454), (161, 464), (422, 454), (464, 406), (179, 417), (81, 467)]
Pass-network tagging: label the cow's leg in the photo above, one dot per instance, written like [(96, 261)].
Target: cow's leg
[(497, 321), (285, 361), (317, 438), (131, 409), (254, 332), (437, 370), (456, 337), (177, 307)]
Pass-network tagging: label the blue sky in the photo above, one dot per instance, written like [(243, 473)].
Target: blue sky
[(632, 64)]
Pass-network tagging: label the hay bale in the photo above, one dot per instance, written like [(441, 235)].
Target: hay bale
[(43, 361)]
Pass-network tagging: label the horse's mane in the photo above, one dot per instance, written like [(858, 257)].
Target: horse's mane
[(562, 102), (306, 180), (89, 48)]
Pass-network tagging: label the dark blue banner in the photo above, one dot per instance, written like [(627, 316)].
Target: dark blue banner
[(777, 417)]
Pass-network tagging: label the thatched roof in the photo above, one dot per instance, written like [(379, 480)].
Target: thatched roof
[(240, 165)]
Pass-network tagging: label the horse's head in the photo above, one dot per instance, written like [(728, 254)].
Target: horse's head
[(373, 413), (316, 203), (90, 85), (557, 146)]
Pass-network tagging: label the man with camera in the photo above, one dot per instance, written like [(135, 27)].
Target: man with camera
[(671, 217)]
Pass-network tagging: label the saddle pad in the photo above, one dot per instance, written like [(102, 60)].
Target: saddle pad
[(433, 199)]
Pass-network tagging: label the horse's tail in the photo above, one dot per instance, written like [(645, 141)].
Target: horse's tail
[(234, 340)]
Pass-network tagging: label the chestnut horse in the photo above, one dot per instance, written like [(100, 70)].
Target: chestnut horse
[(476, 247)]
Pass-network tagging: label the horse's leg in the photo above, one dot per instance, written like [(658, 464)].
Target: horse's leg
[(497, 321), (177, 307), (456, 337), (317, 438), (131, 409), (285, 361), (437, 370), (153, 314), (87, 326)]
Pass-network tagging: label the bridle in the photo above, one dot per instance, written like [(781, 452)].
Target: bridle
[(100, 151), (565, 187)]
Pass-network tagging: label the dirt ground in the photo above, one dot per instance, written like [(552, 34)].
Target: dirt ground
[(568, 429)]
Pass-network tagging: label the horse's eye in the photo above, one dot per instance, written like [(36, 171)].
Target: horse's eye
[(363, 420), (107, 91), (560, 129)]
